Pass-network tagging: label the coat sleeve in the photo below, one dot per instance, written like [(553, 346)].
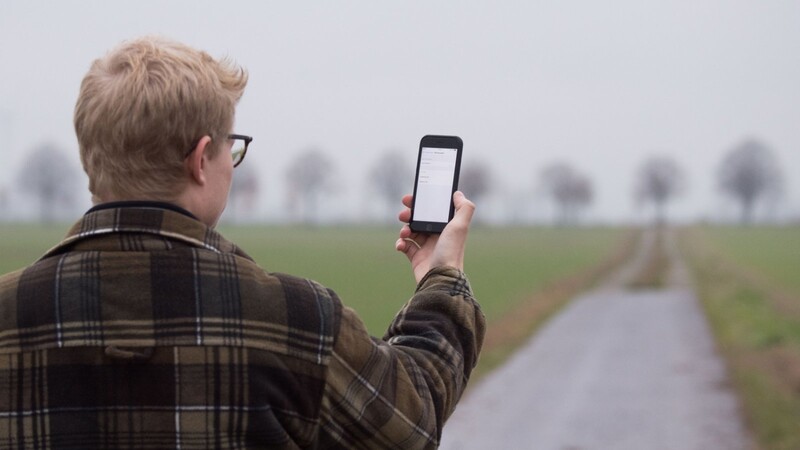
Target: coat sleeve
[(398, 391)]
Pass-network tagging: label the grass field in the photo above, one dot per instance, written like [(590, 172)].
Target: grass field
[(770, 252), (505, 265), (749, 281), (21, 245)]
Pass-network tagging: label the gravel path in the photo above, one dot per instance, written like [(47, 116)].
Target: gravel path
[(616, 369)]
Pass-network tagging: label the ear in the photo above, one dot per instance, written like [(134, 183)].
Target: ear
[(195, 162)]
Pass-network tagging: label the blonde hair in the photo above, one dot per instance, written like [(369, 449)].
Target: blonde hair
[(142, 107)]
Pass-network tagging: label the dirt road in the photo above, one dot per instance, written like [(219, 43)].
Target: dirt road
[(616, 369)]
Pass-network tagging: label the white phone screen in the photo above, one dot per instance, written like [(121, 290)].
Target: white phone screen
[(437, 168)]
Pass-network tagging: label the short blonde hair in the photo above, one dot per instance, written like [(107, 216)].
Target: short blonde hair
[(142, 107)]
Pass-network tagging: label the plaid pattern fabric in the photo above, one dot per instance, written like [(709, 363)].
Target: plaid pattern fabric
[(146, 329)]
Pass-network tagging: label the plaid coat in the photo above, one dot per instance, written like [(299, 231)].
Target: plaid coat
[(146, 329)]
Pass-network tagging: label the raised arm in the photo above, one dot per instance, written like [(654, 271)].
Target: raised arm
[(397, 392)]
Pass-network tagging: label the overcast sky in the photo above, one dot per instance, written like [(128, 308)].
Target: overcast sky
[(600, 85)]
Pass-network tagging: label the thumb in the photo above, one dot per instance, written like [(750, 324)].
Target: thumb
[(464, 208)]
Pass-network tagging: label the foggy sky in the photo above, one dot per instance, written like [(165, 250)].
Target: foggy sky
[(600, 85)]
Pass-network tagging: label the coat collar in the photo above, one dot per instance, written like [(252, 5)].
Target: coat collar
[(145, 218)]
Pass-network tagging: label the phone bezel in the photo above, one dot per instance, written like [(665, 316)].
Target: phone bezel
[(436, 141)]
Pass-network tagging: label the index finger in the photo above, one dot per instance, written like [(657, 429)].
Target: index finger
[(408, 200)]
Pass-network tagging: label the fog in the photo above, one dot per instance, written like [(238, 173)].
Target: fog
[(599, 85)]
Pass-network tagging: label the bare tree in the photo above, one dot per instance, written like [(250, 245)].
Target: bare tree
[(659, 180), (244, 192), (748, 173), (307, 178), (475, 180), (392, 176), (569, 190), (49, 176)]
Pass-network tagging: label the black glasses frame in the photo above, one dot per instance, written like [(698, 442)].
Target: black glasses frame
[(247, 140)]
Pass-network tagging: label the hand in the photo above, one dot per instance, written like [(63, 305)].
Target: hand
[(445, 249)]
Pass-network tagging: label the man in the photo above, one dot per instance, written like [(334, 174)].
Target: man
[(145, 328)]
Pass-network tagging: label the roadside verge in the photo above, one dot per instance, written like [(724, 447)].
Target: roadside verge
[(757, 327)]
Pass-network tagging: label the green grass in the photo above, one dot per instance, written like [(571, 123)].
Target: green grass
[(21, 245), (743, 277), (772, 252), (360, 264), (505, 265)]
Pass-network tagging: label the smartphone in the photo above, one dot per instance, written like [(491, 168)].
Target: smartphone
[(438, 166)]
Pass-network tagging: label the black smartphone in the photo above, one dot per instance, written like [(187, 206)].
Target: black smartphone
[(438, 166)]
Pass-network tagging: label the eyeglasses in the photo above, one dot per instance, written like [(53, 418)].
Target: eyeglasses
[(238, 149)]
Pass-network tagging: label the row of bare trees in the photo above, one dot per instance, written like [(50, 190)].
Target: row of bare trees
[(749, 173)]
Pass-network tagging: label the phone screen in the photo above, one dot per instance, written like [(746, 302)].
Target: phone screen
[(437, 168), (438, 164)]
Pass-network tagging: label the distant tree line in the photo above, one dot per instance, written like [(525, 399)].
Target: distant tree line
[(749, 174), (48, 181)]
